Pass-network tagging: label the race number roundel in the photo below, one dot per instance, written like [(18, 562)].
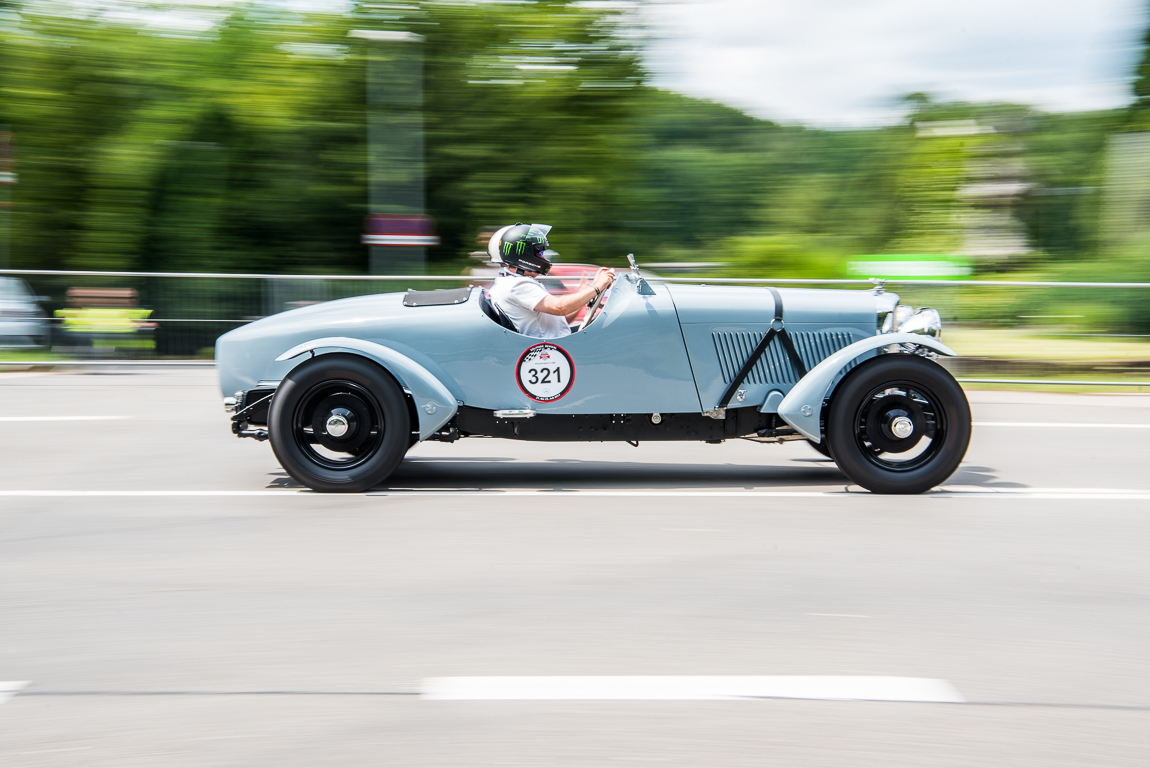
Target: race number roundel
[(545, 372)]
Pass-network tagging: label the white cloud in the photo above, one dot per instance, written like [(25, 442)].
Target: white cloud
[(845, 62)]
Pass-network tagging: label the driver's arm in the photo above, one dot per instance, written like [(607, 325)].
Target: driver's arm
[(570, 304)]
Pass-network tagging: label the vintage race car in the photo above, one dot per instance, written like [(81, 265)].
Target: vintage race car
[(344, 389)]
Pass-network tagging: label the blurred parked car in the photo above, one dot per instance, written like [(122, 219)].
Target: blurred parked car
[(22, 320)]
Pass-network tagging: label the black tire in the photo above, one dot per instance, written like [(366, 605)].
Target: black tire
[(374, 414), (821, 447), (883, 395)]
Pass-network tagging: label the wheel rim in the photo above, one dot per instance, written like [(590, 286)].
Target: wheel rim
[(900, 426), (338, 425)]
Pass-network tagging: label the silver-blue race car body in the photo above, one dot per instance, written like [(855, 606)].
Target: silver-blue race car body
[(657, 362)]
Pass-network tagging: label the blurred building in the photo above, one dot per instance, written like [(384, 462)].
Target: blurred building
[(992, 180), (1126, 210)]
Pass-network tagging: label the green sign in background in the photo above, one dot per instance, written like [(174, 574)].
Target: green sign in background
[(908, 266)]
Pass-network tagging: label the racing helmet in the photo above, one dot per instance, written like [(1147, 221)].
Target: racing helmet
[(523, 246)]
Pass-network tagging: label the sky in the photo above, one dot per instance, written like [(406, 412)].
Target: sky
[(846, 63), (842, 63)]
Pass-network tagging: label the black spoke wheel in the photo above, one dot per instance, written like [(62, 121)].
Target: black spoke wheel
[(339, 423), (898, 424)]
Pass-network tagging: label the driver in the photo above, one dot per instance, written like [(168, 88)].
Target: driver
[(522, 249)]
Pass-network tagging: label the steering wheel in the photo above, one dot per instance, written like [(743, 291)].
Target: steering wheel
[(594, 308)]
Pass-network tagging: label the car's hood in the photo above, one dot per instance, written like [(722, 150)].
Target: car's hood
[(739, 304)]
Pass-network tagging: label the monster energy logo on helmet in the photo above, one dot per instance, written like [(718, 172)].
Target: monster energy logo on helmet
[(522, 246)]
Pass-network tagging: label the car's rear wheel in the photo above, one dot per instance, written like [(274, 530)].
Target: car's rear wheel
[(339, 423), (898, 424)]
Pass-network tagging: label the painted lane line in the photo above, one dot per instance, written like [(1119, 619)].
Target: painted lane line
[(1058, 425), (53, 751), (145, 494), (998, 490), (1050, 496), (691, 688), (60, 418), (941, 493), (10, 689), (1108, 494), (417, 494), (626, 494), (1097, 494)]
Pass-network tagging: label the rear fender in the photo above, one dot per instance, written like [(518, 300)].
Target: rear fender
[(434, 403), (802, 407)]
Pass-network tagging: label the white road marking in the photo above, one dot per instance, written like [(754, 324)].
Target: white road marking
[(1058, 425), (9, 689), (1114, 494), (51, 751), (147, 494), (60, 418), (843, 615), (626, 494), (943, 492), (691, 688)]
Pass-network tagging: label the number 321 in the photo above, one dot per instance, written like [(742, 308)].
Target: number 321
[(543, 376)]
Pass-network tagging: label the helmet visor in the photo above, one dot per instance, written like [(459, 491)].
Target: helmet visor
[(538, 232)]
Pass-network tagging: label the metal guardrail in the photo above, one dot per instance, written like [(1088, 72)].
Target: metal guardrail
[(222, 275), (705, 280), (109, 363)]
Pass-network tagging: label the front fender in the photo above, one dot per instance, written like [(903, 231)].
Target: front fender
[(802, 407), (433, 401)]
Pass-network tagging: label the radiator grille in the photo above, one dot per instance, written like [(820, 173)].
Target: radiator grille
[(774, 367)]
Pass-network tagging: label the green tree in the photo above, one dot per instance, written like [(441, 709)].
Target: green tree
[(1142, 75)]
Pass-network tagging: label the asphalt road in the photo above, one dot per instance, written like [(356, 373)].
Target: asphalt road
[(173, 600)]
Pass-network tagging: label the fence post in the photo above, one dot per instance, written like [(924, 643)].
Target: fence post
[(7, 181)]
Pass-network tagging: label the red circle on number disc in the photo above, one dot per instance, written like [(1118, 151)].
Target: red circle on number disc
[(545, 372)]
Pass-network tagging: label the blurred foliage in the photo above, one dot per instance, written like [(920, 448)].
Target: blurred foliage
[(241, 148), (1142, 76)]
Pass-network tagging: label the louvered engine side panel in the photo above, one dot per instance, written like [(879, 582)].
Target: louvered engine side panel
[(774, 367)]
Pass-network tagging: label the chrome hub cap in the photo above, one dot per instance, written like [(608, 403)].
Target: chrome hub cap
[(902, 427), (337, 425)]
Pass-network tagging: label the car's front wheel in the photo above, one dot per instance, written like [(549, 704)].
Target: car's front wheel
[(898, 424), (339, 423)]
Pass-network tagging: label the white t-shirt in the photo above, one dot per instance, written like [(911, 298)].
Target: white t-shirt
[(518, 296)]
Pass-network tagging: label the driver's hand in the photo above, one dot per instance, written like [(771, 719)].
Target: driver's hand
[(604, 278)]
